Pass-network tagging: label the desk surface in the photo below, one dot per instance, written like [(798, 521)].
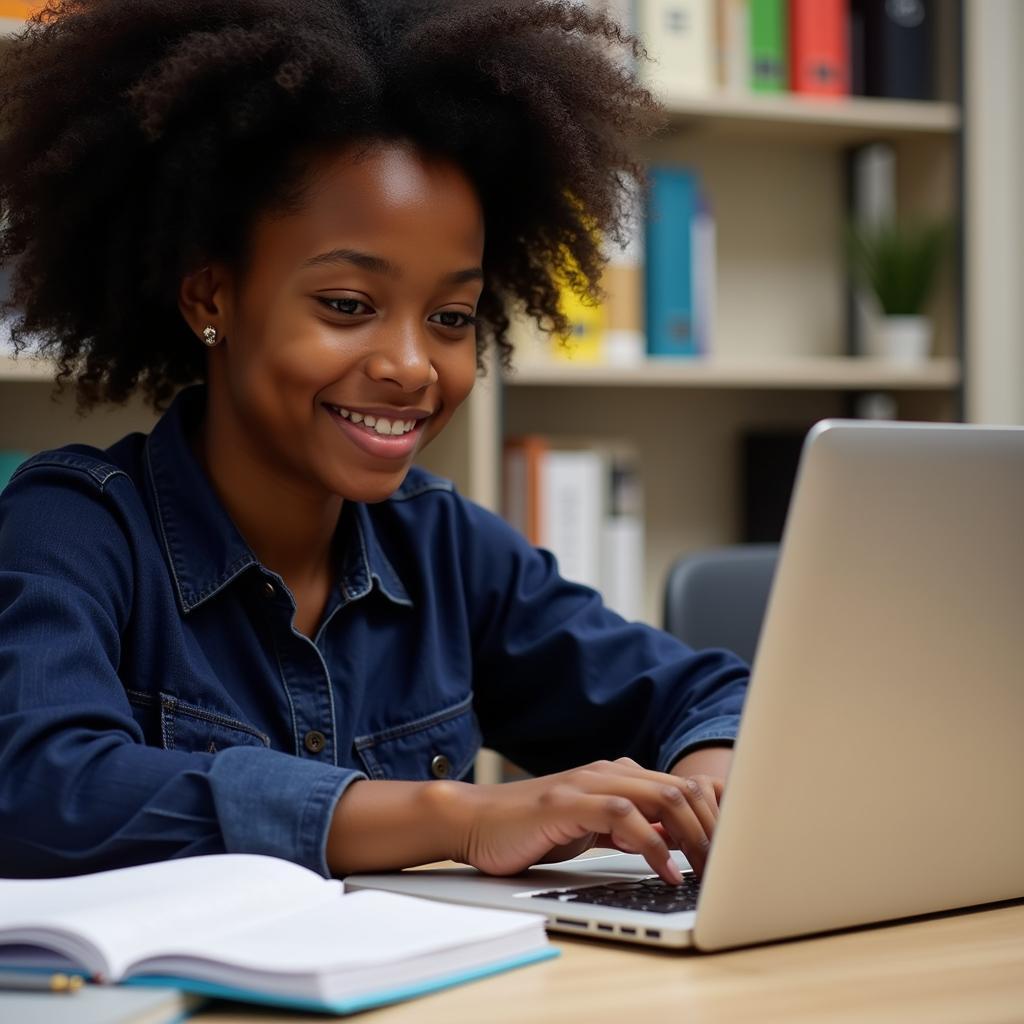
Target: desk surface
[(967, 966)]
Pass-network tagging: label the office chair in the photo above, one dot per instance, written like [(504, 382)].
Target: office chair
[(717, 598)]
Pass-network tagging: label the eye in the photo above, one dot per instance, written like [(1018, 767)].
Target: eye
[(347, 307), (456, 319)]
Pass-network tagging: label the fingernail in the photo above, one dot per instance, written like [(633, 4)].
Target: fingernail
[(673, 871)]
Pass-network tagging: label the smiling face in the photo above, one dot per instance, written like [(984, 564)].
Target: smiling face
[(350, 340)]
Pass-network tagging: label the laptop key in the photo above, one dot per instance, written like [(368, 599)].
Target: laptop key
[(650, 894)]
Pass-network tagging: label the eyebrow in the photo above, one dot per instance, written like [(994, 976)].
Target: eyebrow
[(379, 265)]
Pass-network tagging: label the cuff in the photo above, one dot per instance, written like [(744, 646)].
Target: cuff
[(716, 732), (277, 804)]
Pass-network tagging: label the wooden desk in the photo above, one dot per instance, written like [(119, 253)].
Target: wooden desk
[(964, 967)]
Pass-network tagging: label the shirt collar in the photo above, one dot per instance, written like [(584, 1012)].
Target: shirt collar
[(203, 545)]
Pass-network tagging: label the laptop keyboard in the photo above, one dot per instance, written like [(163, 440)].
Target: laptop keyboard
[(650, 894)]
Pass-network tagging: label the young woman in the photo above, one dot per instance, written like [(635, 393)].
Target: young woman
[(260, 628)]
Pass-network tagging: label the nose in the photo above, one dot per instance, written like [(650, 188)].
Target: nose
[(402, 357)]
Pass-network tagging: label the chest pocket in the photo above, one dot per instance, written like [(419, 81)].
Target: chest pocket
[(437, 746), (177, 725)]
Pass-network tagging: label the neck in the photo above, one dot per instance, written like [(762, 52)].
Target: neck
[(289, 526)]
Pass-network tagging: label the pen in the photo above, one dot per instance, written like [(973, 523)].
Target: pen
[(31, 981)]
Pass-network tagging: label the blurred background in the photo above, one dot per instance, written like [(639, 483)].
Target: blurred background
[(833, 228)]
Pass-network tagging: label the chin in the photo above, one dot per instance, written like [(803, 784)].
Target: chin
[(369, 491)]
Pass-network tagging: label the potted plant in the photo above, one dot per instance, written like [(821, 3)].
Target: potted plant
[(899, 263)]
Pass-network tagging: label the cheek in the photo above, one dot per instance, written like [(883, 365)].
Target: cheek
[(456, 368)]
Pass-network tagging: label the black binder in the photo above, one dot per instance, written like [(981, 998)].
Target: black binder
[(897, 47)]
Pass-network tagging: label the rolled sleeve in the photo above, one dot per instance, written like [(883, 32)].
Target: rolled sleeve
[(289, 819)]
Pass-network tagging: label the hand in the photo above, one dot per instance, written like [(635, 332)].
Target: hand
[(509, 827)]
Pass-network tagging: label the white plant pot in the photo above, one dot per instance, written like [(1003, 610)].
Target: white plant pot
[(903, 339)]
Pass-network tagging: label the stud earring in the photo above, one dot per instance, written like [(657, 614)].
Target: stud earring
[(210, 335)]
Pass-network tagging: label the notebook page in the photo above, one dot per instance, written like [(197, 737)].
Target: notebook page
[(345, 940), (136, 912)]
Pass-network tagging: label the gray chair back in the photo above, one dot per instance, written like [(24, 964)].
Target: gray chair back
[(717, 598)]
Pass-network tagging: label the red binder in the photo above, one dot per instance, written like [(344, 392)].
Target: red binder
[(819, 47)]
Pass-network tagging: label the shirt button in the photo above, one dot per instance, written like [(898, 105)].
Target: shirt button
[(268, 589), (314, 741), (440, 766)]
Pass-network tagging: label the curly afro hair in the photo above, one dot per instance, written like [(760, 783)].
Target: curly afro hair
[(139, 141)]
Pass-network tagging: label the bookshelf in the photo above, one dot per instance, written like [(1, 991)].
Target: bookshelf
[(774, 168)]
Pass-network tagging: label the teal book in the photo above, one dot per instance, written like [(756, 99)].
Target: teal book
[(256, 929), (9, 462), (769, 49), (668, 266)]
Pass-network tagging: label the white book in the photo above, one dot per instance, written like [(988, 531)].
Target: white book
[(259, 929), (733, 44), (622, 535), (680, 38), (571, 512), (703, 246)]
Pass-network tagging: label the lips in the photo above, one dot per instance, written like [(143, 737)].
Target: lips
[(380, 445)]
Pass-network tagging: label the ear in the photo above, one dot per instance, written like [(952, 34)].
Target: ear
[(204, 298)]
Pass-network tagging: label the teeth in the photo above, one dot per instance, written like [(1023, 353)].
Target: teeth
[(381, 424)]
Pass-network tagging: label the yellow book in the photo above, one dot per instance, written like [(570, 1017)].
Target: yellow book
[(588, 324)]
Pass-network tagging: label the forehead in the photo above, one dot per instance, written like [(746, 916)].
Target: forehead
[(388, 198)]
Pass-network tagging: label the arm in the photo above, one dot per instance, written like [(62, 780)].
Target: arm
[(561, 680), (79, 788)]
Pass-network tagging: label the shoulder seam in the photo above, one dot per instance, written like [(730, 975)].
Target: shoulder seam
[(98, 470)]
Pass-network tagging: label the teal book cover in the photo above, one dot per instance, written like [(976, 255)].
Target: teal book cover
[(668, 266), (9, 462)]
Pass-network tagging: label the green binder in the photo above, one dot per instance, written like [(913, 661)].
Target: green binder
[(769, 51)]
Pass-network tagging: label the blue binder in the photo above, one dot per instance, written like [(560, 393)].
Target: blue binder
[(671, 330)]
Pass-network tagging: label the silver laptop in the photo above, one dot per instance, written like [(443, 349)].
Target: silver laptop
[(879, 768)]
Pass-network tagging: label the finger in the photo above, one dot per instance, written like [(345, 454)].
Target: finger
[(628, 829), (679, 804), (701, 796)]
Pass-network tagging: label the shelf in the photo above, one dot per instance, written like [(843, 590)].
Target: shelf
[(832, 373), (838, 120), (26, 368)]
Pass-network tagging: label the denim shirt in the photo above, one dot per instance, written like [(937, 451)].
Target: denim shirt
[(156, 700)]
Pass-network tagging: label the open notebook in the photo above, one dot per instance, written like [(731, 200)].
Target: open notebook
[(259, 929)]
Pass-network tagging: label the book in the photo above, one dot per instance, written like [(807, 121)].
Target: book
[(897, 48), (623, 283), (680, 38), (587, 326), (9, 462), (732, 34), (18, 9), (769, 61), (258, 929), (99, 1004), (571, 511), (703, 273), (582, 500), (622, 536), (819, 47), (669, 262)]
